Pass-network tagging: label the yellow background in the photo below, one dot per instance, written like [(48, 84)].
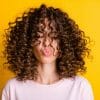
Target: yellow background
[(86, 13)]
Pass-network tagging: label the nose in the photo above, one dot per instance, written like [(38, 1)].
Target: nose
[(47, 41)]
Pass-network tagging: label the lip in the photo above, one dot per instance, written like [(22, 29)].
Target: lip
[(47, 52)]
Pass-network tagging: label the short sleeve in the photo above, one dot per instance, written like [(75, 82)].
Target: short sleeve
[(5, 92), (86, 90)]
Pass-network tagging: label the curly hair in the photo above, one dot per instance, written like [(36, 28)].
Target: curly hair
[(23, 32)]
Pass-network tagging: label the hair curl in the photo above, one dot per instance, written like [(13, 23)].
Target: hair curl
[(22, 34)]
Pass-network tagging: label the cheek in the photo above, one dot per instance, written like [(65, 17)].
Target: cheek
[(36, 51), (56, 47)]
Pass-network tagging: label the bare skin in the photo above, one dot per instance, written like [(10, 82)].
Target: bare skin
[(46, 58), (47, 74)]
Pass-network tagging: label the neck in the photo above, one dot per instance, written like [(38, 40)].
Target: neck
[(47, 74)]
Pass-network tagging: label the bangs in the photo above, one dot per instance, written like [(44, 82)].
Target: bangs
[(46, 28)]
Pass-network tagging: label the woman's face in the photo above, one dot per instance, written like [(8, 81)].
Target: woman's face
[(46, 48)]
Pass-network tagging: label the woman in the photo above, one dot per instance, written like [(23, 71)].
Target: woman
[(46, 49)]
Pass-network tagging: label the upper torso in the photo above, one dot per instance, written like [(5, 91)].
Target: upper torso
[(77, 88)]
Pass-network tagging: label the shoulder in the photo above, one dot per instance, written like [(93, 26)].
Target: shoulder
[(83, 81), (12, 83), (85, 88), (79, 81), (8, 86), (82, 86)]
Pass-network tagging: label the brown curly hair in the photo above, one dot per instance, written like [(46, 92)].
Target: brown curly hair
[(22, 33)]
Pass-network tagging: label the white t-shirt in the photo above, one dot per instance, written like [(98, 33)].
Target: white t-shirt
[(65, 89)]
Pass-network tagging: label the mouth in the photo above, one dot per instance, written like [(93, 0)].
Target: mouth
[(47, 52)]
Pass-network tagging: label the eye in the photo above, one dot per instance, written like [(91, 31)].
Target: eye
[(55, 37), (40, 38), (39, 35)]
